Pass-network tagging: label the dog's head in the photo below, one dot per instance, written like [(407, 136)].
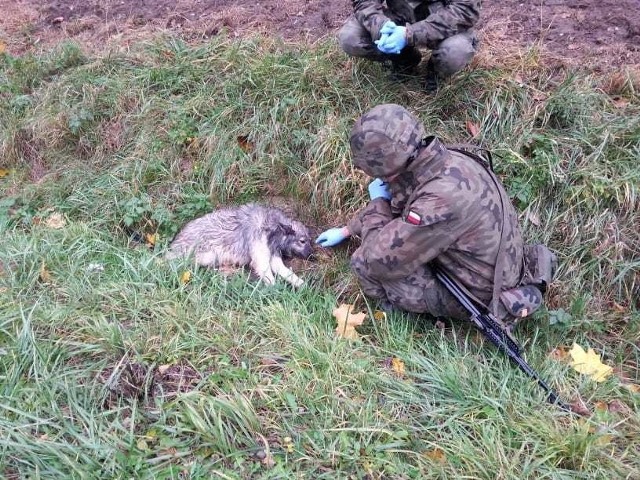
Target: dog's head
[(292, 240)]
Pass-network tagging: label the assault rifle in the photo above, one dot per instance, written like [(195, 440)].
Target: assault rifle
[(490, 327)]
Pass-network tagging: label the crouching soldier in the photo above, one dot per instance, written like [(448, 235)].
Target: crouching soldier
[(433, 203), (395, 30)]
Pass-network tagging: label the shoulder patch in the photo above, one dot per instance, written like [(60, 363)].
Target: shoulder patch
[(413, 218)]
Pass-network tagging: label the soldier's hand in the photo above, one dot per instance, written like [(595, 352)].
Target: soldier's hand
[(379, 189), (333, 236), (393, 38)]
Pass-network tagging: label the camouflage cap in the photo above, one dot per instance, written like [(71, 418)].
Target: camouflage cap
[(383, 139)]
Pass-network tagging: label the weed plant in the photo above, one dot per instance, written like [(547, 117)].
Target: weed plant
[(111, 366)]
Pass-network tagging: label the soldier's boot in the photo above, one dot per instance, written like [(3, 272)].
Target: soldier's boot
[(404, 64)]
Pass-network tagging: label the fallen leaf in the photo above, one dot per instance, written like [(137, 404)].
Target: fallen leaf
[(437, 455), (151, 239), (633, 388), (518, 79), (472, 128), (619, 308), (379, 315), (347, 321), (398, 366), (45, 275), (618, 406), (185, 277), (55, 221), (162, 369), (142, 444), (589, 363), (560, 354), (245, 144), (3, 171), (579, 407), (602, 406)]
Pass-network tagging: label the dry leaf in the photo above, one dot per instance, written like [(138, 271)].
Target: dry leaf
[(633, 388), (589, 363), (45, 275), (601, 406), (185, 277), (579, 407), (162, 369), (3, 48), (3, 171), (437, 455), (472, 128), (347, 321), (618, 406), (379, 315), (151, 239), (398, 366), (560, 354), (55, 221), (245, 145)]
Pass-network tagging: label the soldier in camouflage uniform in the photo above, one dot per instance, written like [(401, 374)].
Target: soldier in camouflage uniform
[(431, 202), (444, 27)]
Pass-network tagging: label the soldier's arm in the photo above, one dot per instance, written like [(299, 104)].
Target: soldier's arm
[(457, 16), (370, 15), (394, 248)]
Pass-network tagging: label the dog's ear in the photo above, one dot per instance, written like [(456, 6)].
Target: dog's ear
[(285, 230)]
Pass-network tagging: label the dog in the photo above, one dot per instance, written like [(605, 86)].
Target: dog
[(251, 235)]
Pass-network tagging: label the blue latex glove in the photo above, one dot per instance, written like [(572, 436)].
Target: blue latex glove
[(333, 236), (393, 38), (378, 189)]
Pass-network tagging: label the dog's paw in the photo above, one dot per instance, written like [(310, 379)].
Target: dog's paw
[(296, 282)]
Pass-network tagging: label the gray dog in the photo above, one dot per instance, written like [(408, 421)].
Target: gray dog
[(251, 234)]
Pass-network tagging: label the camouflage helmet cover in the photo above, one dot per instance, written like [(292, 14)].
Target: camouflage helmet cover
[(383, 139)]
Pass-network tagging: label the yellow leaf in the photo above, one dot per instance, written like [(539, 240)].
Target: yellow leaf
[(437, 455), (3, 171), (55, 221), (142, 444), (151, 239), (589, 363), (398, 366), (379, 315), (185, 277), (45, 275), (347, 321)]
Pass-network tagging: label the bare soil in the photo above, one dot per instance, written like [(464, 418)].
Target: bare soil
[(599, 34)]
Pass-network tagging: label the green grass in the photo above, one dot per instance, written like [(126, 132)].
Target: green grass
[(134, 144)]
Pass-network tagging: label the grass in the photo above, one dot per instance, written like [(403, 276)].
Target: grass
[(128, 146)]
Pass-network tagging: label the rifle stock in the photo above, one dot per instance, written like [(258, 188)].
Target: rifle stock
[(491, 329)]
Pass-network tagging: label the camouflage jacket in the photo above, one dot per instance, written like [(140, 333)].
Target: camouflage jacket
[(445, 205), (428, 22)]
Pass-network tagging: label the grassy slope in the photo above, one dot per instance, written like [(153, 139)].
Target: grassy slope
[(135, 144)]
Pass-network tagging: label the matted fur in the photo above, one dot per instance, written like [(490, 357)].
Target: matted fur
[(247, 235)]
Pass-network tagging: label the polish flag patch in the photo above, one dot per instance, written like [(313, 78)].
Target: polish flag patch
[(413, 218)]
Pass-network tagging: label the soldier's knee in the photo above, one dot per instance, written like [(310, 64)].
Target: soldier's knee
[(354, 39), (454, 53)]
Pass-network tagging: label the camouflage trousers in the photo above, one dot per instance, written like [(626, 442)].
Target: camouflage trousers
[(448, 57), (420, 292)]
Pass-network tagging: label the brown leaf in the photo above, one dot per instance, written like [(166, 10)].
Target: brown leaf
[(3, 171), (437, 455), (245, 144), (560, 354), (601, 406), (472, 128), (379, 315), (398, 366), (55, 221), (151, 239), (3, 47), (632, 387), (578, 406), (618, 406), (45, 275), (347, 321)]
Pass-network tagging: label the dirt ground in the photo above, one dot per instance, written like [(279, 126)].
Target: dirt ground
[(600, 34)]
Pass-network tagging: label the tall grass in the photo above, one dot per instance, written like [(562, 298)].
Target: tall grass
[(129, 146)]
